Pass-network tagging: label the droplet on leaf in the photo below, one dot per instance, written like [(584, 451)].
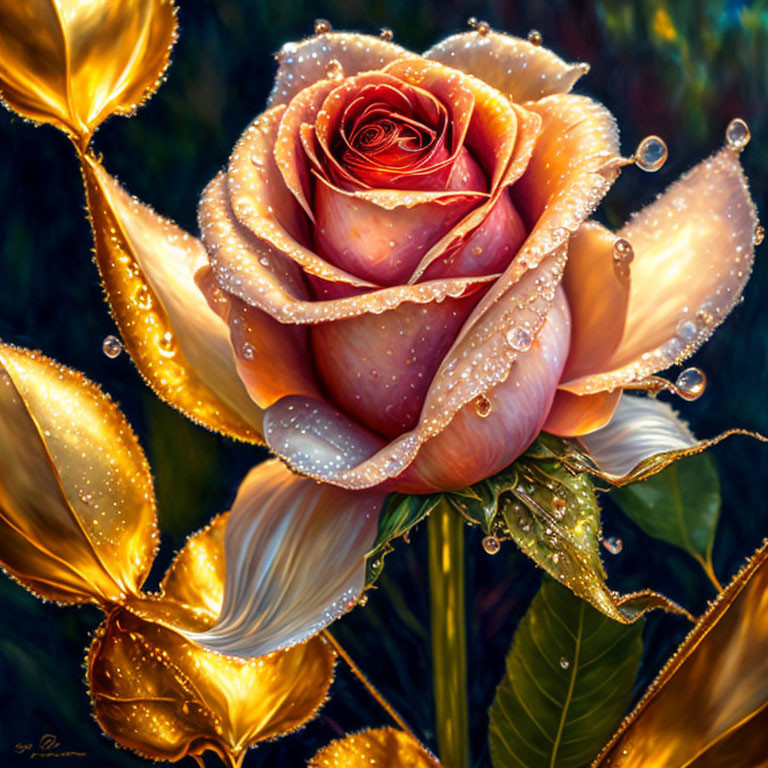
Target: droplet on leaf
[(111, 346), (651, 154), (691, 383), (564, 663)]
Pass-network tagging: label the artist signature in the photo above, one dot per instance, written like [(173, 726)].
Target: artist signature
[(47, 746)]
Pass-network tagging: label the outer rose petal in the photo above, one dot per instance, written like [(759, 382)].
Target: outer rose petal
[(302, 64), (264, 278), (641, 427), (693, 253), (272, 358), (511, 65), (574, 415), (295, 560), (299, 430)]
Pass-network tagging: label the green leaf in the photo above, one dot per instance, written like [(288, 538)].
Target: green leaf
[(552, 514), (680, 505), (568, 683), (398, 515)]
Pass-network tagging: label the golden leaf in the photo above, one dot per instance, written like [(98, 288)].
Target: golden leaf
[(72, 63), (77, 506), (382, 747), (180, 346), (166, 697), (709, 705)]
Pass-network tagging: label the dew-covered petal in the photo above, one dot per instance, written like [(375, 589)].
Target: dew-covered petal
[(303, 64), (641, 427), (378, 368), (510, 64), (502, 423), (295, 560), (179, 345), (262, 202), (693, 253), (574, 415), (264, 278), (320, 442), (272, 358), (77, 505), (597, 287)]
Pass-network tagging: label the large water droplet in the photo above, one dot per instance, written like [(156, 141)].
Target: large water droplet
[(651, 154), (691, 383), (483, 406), (491, 545), (613, 545), (622, 258), (534, 36), (564, 663), (322, 26), (334, 70), (111, 346), (737, 134), (519, 338)]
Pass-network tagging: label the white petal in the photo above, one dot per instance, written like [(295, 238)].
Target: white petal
[(641, 427), (295, 560)]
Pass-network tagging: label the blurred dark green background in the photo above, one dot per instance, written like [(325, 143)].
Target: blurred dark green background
[(679, 69)]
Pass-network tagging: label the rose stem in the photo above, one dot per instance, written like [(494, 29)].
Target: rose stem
[(359, 674), (449, 635)]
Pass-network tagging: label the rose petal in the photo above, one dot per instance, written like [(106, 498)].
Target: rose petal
[(693, 253), (272, 358), (262, 202), (299, 430), (295, 560), (598, 296), (378, 367), (640, 428), (511, 65), (179, 345), (379, 747), (303, 64), (574, 415), (266, 279)]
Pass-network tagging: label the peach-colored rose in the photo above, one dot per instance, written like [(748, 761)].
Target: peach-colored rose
[(388, 246)]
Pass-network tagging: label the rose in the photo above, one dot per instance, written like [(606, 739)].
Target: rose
[(388, 244)]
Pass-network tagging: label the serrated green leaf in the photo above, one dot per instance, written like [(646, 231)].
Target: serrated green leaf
[(568, 683), (680, 505), (398, 515)]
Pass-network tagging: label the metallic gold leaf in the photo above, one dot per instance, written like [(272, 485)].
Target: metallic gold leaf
[(708, 705), (72, 63), (381, 747), (166, 697), (77, 506), (180, 346)]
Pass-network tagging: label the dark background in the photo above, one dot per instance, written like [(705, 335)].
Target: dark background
[(680, 69)]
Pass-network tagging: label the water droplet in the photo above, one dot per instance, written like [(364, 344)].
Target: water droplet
[(534, 36), (472, 22), (519, 339), (558, 507), (623, 254), (386, 34), (651, 154), (334, 70), (111, 346), (691, 383), (86, 498), (613, 545), (737, 134), (483, 28), (166, 344), (483, 406), (759, 235), (491, 545), (687, 330), (322, 26), (564, 663)]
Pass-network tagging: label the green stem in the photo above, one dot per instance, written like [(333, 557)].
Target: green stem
[(449, 635)]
